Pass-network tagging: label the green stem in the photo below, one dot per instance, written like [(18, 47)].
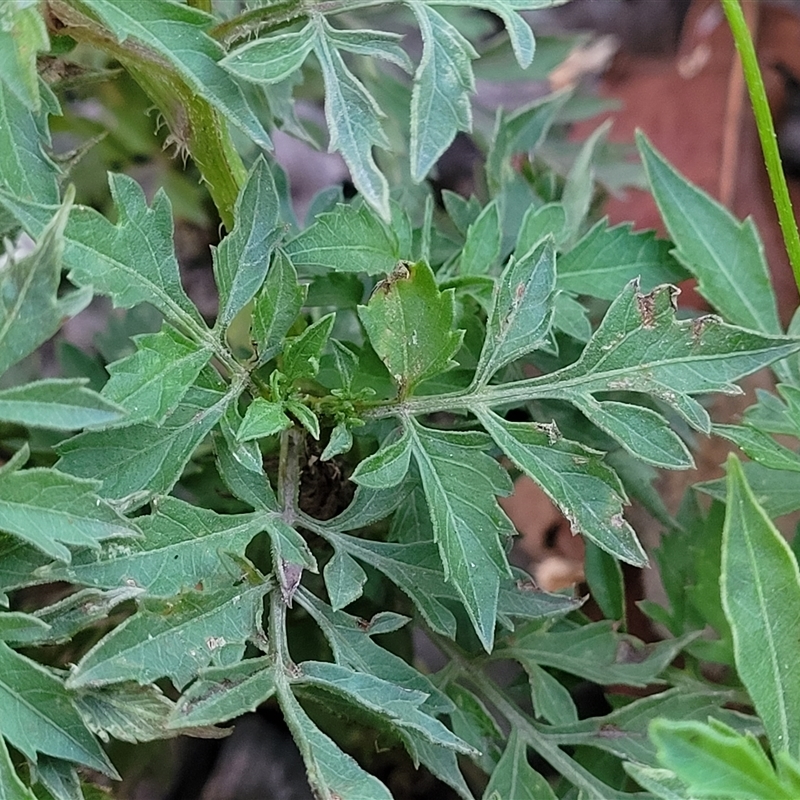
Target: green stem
[(766, 132), (529, 732)]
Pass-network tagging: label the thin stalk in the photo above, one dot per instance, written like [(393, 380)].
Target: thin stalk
[(766, 132)]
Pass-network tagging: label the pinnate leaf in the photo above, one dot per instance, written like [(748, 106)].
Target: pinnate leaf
[(57, 404), (387, 467), (49, 510), (276, 307), (151, 382), (146, 459), (729, 264), (760, 585), (242, 259), (38, 715), (344, 580), (174, 638), (223, 693), (461, 483), (180, 548), (576, 480), (443, 82), (607, 258), (30, 311), (522, 309), (410, 325), (350, 238), (271, 60), (514, 777)]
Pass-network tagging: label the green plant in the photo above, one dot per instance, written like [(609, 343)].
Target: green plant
[(373, 359)]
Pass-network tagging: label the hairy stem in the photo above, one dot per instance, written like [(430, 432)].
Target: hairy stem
[(766, 132)]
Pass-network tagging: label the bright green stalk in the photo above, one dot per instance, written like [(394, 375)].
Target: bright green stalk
[(766, 132)]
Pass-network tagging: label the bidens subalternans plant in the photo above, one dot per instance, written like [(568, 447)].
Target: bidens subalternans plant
[(261, 509)]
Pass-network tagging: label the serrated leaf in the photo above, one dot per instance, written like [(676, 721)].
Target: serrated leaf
[(576, 480), (539, 223), (305, 416), (522, 309), (133, 261), (77, 611), (352, 645), (374, 44), (520, 131), (242, 259), (180, 549), (23, 34), (595, 652), (681, 358), (353, 119), (144, 458), (11, 787), (340, 441), (571, 317), (461, 483), (443, 83), (332, 774), (347, 239), (240, 464), (38, 715), (410, 325), (730, 266), (623, 732), (301, 354), (514, 777), (760, 447), (30, 310), (713, 759), (223, 693), (57, 404), (262, 418), (368, 506), (344, 580), (26, 171), (174, 638), (50, 509), (387, 467), (276, 307), (400, 705), (177, 33), (643, 432), (59, 778), (482, 245), (271, 60), (151, 382), (607, 258), (128, 712), (551, 699), (760, 585)]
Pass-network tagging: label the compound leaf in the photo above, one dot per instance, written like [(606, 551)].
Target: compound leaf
[(574, 477), (349, 238), (522, 309), (150, 383), (273, 59), (729, 264), (514, 777), (443, 82), (38, 715), (57, 404), (461, 483), (144, 459), (181, 548), (30, 310), (174, 638), (344, 579), (49, 510), (242, 259), (262, 418)]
